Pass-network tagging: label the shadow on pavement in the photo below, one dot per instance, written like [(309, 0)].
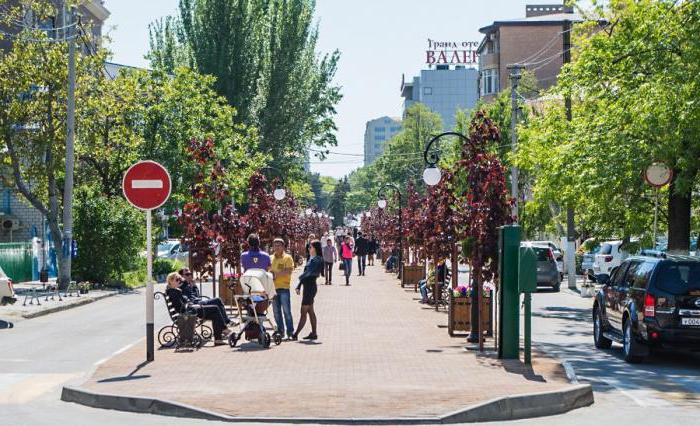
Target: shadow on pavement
[(130, 376)]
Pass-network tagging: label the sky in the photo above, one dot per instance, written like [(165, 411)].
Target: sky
[(379, 41)]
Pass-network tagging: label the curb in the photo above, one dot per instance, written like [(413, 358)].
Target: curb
[(60, 308), (500, 409)]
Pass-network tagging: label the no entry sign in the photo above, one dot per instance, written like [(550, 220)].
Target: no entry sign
[(146, 185)]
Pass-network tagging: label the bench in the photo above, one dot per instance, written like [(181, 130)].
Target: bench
[(169, 335)]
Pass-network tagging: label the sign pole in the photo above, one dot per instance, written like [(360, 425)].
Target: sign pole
[(149, 289), (656, 215)]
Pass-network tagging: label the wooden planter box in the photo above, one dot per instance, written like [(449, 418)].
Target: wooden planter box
[(384, 256), (460, 311), (412, 274)]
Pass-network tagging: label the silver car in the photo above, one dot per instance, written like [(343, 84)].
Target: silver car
[(547, 271)]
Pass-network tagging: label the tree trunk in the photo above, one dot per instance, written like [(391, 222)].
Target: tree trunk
[(57, 237), (678, 220)]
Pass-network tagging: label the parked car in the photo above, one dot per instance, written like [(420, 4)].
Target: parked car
[(547, 271), (609, 256), (558, 255), (7, 292), (173, 249), (649, 302)]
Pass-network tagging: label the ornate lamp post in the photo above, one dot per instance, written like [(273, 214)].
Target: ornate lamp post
[(381, 203), (432, 174), (279, 193)]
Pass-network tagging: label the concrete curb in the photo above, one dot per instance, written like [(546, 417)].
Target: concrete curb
[(499, 409), (67, 306)]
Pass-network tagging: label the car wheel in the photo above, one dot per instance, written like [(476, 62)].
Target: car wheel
[(630, 346), (601, 342)]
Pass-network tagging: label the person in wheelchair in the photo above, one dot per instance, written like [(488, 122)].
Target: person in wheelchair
[(428, 284), (182, 304), (191, 292)]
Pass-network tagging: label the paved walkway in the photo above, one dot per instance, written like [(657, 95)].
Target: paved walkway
[(379, 354)]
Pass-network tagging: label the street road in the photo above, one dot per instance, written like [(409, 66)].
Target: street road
[(39, 356), (666, 388)]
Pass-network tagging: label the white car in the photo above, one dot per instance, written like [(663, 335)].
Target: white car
[(7, 292), (173, 249), (608, 257), (558, 255)]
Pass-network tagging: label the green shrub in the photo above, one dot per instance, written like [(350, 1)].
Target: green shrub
[(110, 234), (165, 266)]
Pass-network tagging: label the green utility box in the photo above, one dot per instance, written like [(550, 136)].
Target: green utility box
[(527, 271), (508, 260)]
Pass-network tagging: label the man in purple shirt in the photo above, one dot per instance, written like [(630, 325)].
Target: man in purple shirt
[(254, 258)]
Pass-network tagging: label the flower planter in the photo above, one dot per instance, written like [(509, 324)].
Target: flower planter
[(459, 314), (412, 274)]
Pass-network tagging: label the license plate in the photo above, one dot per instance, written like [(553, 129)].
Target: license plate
[(690, 321)]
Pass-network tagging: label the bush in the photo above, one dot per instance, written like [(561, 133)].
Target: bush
[(165, 266), (109, 233)]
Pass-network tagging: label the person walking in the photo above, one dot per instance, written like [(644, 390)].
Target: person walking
[(346, 253), (372, 250), (361, 250), (312, 270), (255, 258), (330, 256), (282, 267)]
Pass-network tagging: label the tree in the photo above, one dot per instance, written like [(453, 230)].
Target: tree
[(337, 205), (33, 75), (263, 55), (624, 118)]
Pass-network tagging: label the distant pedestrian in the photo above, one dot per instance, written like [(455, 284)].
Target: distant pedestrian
[(361, 250), (282, 267), (346, 253), (307, 280), (372, 250), (255, 258), (330, 256)]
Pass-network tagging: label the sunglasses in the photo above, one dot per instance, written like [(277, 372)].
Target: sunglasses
[(187, 274), (177, 280)]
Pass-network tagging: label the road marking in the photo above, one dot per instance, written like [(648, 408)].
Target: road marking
[(146, 184), (124, 349)]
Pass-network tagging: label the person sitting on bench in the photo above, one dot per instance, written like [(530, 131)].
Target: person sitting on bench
[(191, 292), (211, 313), (429, 282)]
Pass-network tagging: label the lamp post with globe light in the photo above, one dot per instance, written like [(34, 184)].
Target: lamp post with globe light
[(279, 193), (432, 173), (381, 203)]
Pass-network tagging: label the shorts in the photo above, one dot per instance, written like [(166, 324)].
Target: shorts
[(308, 293)]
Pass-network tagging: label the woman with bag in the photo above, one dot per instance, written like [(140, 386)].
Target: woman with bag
[(312, 270), (346, 253)]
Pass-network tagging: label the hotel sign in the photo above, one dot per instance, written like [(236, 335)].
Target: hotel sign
[(451, 52)]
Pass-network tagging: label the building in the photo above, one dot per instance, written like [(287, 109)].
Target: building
[(444, 90), (377, 133), (536, 40)]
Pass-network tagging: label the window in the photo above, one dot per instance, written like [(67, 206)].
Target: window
[(395, 129), (616, 279), (380, 130), (489, 82), (427, 90), (379, 137), (631, 273), (641, 276), (678, 278), (605, 249)]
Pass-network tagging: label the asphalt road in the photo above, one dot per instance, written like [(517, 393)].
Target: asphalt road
[(39, 356), (665, 388)]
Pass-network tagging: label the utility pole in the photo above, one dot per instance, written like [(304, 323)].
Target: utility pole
[(70, 155), (514, 81), (570, 227)]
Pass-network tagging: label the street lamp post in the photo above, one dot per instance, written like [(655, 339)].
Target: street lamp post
[(432, 176), (279, 193), (381, 203)]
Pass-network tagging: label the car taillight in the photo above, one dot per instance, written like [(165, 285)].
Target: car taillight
[(649, 306), (608, 258)]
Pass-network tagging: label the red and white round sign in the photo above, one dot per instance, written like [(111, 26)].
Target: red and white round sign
[(146, 185)]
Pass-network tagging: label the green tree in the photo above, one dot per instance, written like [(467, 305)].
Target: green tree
[(337, 205), (634, 89)]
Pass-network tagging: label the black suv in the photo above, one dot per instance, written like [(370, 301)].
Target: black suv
[(649, 302)]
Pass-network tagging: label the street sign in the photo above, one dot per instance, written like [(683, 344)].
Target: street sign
[(146, 185), (658, 175)]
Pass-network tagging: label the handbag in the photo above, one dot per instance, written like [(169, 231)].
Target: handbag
[(342, 266)]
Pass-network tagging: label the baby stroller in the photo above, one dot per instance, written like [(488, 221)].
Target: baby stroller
[(258, 289)]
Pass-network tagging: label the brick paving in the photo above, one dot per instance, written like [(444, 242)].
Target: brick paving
[(379, 354)]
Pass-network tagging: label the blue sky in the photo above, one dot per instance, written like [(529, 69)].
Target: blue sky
[(379, 41)]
